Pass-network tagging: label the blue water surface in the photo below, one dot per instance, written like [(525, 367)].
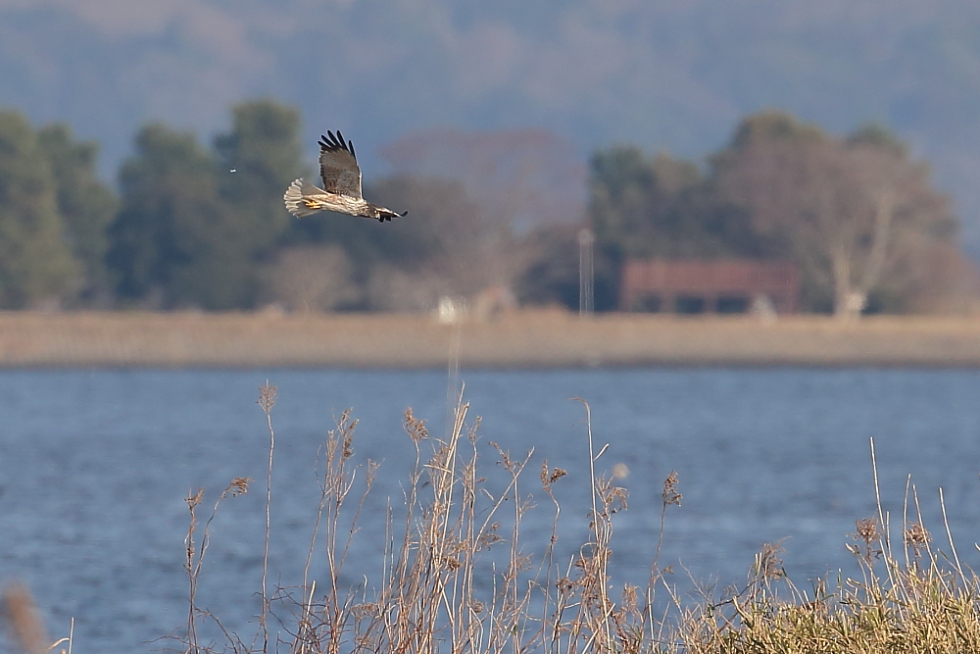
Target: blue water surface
[(94, 466)]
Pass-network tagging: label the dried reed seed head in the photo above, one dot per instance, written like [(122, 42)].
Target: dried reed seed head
[(195, 499), (670, 495), (614, 498), (414, 427), (521, 563), (440, 459), (239, 485), (629, 597), (768, 564), (489, 537), (267, 396), (548, 477), (866, 530), (505, 459), (451, 562), (366, 609), (916, 536), (345, 428)]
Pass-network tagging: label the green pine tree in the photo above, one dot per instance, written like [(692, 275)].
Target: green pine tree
[(36, 264), (174, 240), (257, 160), (86, 205)]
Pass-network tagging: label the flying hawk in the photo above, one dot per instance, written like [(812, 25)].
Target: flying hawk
[(341, 190)]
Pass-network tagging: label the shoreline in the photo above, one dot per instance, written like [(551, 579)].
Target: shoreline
[(522, 339)]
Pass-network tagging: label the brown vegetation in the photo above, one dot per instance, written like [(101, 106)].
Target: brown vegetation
[(457, 576), (22, 620), (511, 339)]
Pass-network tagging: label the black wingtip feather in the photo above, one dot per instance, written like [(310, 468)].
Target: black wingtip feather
[(332, 142)]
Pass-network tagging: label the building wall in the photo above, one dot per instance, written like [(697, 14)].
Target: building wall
[(668, 282)]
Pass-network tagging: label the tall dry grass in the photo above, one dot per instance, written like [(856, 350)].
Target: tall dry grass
[(457, 577), (455, 574), (908, 596)]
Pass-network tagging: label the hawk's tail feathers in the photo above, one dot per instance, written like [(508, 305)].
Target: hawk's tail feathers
[(294, 198)]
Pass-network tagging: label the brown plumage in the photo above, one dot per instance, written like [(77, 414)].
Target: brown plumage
[(341, 190)]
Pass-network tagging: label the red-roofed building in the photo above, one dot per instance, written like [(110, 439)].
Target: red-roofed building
[(704, 286)]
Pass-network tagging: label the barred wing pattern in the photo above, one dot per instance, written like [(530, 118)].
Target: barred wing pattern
[(338, 166)]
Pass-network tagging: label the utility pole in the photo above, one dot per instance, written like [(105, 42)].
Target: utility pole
[(586, 272)]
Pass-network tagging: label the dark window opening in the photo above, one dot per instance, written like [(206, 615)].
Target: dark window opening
[(733, 304), (689, 304), (648, 303)]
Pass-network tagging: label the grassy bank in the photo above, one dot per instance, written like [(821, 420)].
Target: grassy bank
[(521, 339)]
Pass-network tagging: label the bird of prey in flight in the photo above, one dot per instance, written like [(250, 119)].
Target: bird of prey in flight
[(341, 190)]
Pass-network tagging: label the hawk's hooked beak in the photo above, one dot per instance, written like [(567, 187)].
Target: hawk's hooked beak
[(388, 215)]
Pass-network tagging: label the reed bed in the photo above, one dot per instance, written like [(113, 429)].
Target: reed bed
[(532, 338), (456, 576)]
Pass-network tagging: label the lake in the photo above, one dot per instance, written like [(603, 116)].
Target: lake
[(95, 465)]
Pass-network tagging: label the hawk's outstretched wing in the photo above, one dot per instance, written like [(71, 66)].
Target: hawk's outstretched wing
[(338, 166)]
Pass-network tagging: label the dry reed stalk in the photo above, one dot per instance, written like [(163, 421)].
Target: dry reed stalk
[(327, 628), (267, 399), (451, 585), (194, 554), (431, 590)]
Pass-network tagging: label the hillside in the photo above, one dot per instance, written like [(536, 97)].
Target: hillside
[(661, 74)]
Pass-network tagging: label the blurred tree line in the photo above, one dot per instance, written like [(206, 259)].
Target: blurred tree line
[(196, 226), (857, 214)]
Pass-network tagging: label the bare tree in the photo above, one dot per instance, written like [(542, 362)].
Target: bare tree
[(524, 178), (854, 214), (309, 278), (521, 180), (451, 247)]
